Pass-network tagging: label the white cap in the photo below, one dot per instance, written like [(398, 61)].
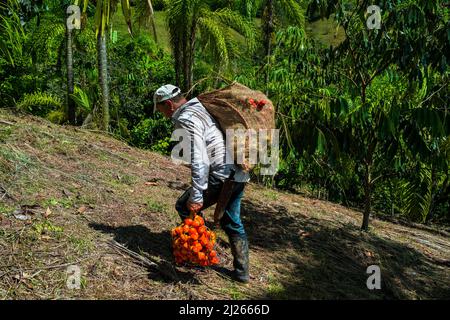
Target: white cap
[(163, 93)]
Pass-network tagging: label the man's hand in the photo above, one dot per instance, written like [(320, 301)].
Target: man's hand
[(194, 207)]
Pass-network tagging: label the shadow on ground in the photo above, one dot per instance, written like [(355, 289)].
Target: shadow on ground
[(143, 241), (319, 259)]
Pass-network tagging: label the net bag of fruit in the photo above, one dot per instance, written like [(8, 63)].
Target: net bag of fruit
[(238, 107), (193, 243)]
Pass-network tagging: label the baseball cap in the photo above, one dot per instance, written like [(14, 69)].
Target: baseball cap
[(163, 93)]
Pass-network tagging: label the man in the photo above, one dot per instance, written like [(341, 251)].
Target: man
[(207, 143)]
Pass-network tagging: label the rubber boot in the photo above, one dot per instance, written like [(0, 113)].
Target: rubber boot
[(239, 249)]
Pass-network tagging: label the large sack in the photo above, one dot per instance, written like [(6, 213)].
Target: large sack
[(239, 107)]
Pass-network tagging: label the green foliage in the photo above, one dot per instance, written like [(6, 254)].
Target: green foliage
[(12, 33), (81, 99), (47, 228), (105, 9), (193, 23), (418, 194), (57, 116), (39, 103), (361, 105), (144, 13), (146, 68), (47, 40), (153, 134), (39, 61), (363, 117), (163, 146), (160, 5)]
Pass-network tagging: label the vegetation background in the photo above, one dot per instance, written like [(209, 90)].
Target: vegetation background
[(363, 113)]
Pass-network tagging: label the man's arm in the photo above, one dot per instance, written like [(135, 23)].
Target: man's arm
[(199, 157)]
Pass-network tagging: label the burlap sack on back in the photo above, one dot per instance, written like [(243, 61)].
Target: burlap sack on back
[(239, 107)]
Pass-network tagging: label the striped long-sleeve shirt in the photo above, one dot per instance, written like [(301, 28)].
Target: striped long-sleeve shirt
[(207, 143)]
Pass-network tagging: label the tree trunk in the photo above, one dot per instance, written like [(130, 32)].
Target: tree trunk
[(192, 54), (185, 58), (268, 28), (154, 29), (268, 32), (186, 69), (367, 199), (152, 18), (191, 73), (368, 164), (177, 69), (188, 57), (434, 186), (188, 66), (178, 60), (103, 78), (69, 61)]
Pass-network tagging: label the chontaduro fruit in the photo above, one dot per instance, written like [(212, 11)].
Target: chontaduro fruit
[(193, 243)]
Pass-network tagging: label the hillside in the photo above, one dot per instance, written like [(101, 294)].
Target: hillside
[(72, 197)]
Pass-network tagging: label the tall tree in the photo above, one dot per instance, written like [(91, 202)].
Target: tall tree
[(275, 15), (20, 14), (145, 15), (358, 107), (103, 13), (71, 106), (192, 20)]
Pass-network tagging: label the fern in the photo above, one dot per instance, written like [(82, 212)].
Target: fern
[(418, 195), (39, 103), (81, 99), (47, 39)]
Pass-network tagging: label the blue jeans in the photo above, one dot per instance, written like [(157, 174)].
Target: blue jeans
[(231, 221)]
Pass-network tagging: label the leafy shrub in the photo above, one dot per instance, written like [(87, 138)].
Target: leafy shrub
[(152, 134), (57, 116), (160, 5), (39, 103), (137, 77), (163, 146)]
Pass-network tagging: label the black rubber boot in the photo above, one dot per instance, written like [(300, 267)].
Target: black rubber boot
[(239, 249)]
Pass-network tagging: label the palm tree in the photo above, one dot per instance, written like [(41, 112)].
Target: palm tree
[(279, 13), (104, 10), (12, 44), (145, 15), (192, 20), (103, 13), (71, 106)]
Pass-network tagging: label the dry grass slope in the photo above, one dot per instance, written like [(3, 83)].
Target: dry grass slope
[(83, 193)]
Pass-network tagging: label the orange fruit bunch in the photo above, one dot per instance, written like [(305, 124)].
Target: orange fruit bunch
[(193, 243)]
